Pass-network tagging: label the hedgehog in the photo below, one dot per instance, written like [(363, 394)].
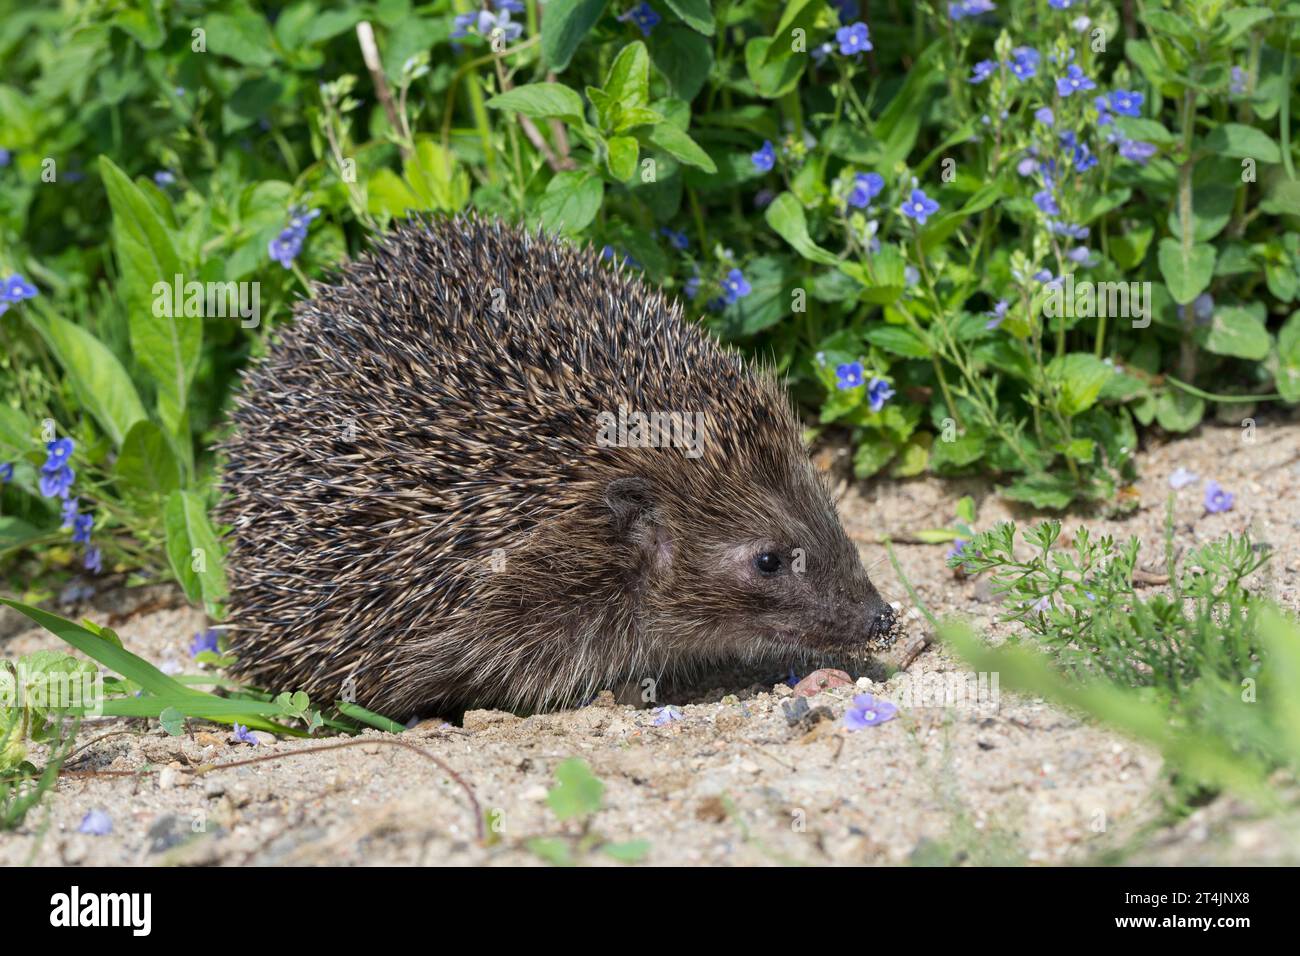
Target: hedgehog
[(485, 467)]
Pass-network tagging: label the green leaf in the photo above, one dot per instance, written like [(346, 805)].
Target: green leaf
[(564, 26), (1176, 411), (696, 13), (1187, 272), (1080, 376), (577, 791), (872, 454), (1239, 331), (541, 100), (193, 550), (623, 151), (168, 347), (571, 201), (1288, 358), (628, 80), (146, 464), (772, 77), (553, 850), (1243, 142), (103, 388), (244, 37), (1041, 491), (172, 720), (359, 713), (786, 217), (683, 56), (680, 146), (633, 851), (899, 339)]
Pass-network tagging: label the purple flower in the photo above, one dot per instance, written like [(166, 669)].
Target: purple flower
[(1044, 115), (462, 23), (6, 473), (735, 286), (764, 158), (56, 482), (866, 187), (1045, 201), (848, 375), (1216, 498), (164, 177), (998, 314), (96, 823), (94, 561), (1079, 254), (878, 392), (677, 240), (70, 511), (243, 736), (982, 71), (1181, 478), (5, 156), (868, 712), (919, 206), (853, 39), (1136, 151), (1024, 62), (1027, 166), (644, 16), (1125, 103), (666, 715), (81, 528), (204, 641), (1075, 80), (969, 8), (763, 198), (1236, 88), (957, 550), (16, 288)]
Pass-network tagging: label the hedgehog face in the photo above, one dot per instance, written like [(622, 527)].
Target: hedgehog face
[(774, 570)]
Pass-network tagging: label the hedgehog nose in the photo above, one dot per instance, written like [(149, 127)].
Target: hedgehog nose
[(882, 622)]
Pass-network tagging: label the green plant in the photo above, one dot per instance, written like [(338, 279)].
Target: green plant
[(577, 796)]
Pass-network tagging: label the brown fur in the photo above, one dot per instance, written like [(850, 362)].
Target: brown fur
[(367, 552)]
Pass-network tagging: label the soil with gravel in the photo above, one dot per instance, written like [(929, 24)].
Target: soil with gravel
[(743, 770)]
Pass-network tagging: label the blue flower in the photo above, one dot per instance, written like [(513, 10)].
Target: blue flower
[(853, 39), (1103, 111), (1125, 103), (1044, 115), (204, 641), (96, 823), (94, 561), (982, 71), (16, 288), (957, 550), (848, 375), (1075, 80), (164, 177), (1060, 4), (997, 315), (1024, 62), (56, 482), (691, 288), (1181, 477), (1237, 87), (59, 452), (243, 736), (489, 22), (70, 512), (6, 473), (1136, 151), (1044, 200), (919, 206), (677, 240), (878, 392), (644, 16), (5, 156), (511, 6), (285, 247), (462, 23), (866, 187), (867, 711), (666, 715), (764, 158), (1216, 498), (969, 8), (735, 286), (81, 528)]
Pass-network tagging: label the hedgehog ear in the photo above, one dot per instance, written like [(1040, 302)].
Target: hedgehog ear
[(630, 502)]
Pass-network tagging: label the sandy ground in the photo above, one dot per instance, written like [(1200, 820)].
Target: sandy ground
[(736, 780)]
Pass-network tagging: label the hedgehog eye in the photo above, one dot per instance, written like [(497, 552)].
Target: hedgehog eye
[(768, 563)]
